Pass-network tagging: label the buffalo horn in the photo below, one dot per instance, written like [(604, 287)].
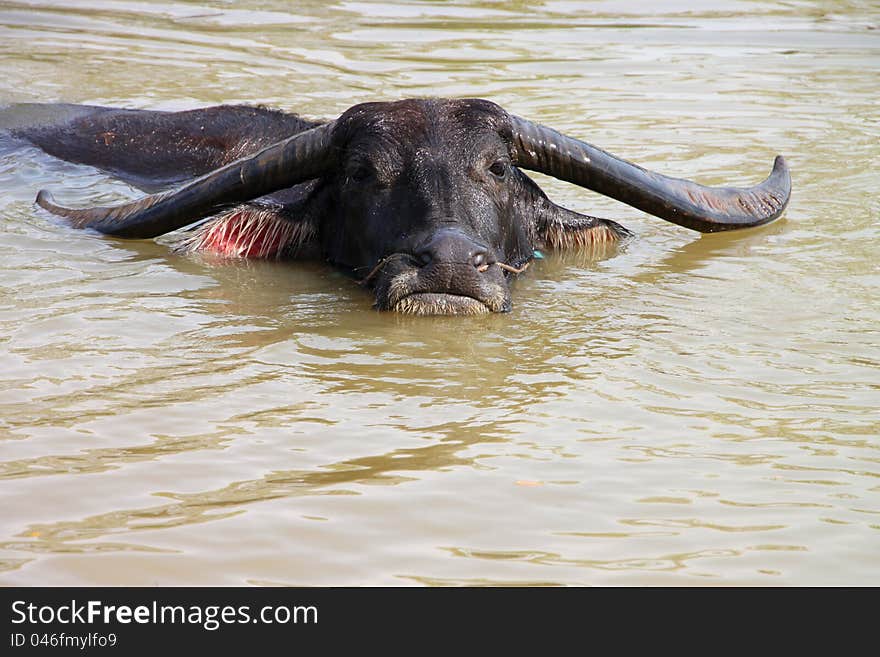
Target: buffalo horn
[(686, 203), (302, 157)]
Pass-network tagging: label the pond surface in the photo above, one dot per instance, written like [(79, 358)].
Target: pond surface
[(686, 410)]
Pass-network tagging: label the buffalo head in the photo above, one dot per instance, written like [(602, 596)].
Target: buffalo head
[(426, 201)]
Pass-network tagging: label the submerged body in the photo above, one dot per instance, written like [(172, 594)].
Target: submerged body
[(425, 201)]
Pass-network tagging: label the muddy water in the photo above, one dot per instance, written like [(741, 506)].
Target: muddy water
[(684, 410)]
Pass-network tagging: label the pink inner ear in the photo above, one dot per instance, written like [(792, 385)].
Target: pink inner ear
[(238, 234), (249, 233)]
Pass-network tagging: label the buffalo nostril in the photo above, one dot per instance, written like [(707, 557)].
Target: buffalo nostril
[(480, 260), (450, 247)]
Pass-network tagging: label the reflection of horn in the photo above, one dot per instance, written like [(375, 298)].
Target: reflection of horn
[(296, 159), (220, 503), (695, 254), (686, 203)]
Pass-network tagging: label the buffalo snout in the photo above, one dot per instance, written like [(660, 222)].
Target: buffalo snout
[(452, 247), (448, 273)]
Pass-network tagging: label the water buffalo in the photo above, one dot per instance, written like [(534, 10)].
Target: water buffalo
[(424, 200)]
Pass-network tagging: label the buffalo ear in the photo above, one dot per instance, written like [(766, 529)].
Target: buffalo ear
[(561, 229), (255, 230), (554, 227), (580, 233)]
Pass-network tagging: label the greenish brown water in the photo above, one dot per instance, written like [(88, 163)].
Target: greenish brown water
[(691, 410)]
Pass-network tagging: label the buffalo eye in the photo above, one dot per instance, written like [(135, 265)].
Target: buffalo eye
[(498, 169), (359, 173)]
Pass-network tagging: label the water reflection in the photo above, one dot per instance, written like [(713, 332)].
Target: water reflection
[(226, 502)]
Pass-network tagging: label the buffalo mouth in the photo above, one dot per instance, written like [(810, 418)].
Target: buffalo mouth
[(440, 303), (440, 290)]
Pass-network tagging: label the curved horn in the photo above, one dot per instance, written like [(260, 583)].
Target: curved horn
[(686, 203), (294, 160)]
